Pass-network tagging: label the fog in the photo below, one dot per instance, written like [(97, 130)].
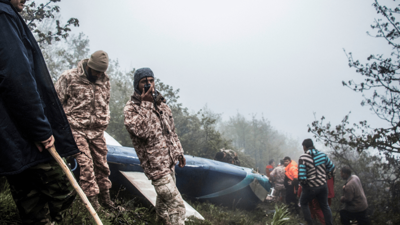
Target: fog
[(280, 59)]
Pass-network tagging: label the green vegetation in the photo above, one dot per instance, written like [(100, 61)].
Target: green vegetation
[(203, 133), (34, 15), (78, 214), (372, 153), (137, 214), (9, 213), (281, 216), (257, 139)]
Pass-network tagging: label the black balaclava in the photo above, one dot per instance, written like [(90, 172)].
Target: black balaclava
[(140, 74)]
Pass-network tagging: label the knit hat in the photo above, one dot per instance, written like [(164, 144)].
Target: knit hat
[(140, 74), (99, 61), (308, 143)]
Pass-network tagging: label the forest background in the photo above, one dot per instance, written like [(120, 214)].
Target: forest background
[(201, 133), (372, 153)]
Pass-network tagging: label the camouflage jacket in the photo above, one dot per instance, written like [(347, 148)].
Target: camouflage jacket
[(86, 104), (153, 135), (278, 177), (230, 157)]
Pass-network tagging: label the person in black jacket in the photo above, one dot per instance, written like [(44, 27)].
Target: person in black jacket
[(31, 120)]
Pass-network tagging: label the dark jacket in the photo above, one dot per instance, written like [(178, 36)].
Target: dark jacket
[(353, 195), (29, 107)]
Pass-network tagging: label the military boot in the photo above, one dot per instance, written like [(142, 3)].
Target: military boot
[(105, 199), (106, 202), (95, 202)]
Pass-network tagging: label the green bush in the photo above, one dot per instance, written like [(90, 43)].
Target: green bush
[(281, 215)]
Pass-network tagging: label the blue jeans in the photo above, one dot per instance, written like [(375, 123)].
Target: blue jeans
[(321, 194)]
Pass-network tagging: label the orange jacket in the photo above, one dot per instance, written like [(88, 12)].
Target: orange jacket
[(291, 171)]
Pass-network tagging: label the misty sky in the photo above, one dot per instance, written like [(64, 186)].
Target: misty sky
[(280, 59)]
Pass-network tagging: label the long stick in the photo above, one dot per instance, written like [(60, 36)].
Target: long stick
[(75, 184)]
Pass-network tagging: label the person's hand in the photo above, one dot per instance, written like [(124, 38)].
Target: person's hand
[(182, 161), (295, 191), (289, 182), (46, 144), (344, 186), (148, 96)]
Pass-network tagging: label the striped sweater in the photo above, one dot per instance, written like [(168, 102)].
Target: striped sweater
[(315, 168)]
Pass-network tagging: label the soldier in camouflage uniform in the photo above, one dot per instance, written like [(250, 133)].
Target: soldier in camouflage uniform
[(151, 127), (85, 94), (277, 176), (228, 156)]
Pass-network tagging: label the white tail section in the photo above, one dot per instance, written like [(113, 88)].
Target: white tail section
[(110, 140), (140, 181)]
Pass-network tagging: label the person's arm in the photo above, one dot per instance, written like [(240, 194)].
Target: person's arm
[(330, 168), (302, 171), (138, 120), (175, 135), (272, 175), (18, 89), (61, 87), (348, 193), (107, 99), (179, 149), (178, 143), (108, 94), (267, 171)]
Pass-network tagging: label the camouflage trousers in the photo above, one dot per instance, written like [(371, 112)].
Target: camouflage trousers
[(41, 193), (280, 195), (94, 170), (169, 203)]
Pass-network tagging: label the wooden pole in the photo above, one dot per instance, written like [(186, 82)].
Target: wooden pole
[(75, 184)]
